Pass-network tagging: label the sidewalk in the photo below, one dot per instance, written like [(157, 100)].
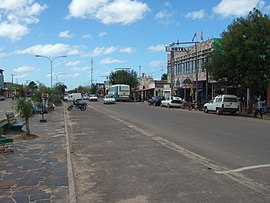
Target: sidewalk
[(37, 169)]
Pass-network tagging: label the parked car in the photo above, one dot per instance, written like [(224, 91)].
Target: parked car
[(172, 102), (2, 98), (73, 97), (156, 100), (85, 97), (109, 99), (93, 97), (223, 103)]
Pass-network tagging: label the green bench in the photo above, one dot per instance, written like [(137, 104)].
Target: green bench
[(13, 123), (3, 126), (5, 142)]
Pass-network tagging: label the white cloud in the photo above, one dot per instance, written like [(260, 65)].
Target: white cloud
[(228, 8), (16, 16), (75, 75), (22, 76), (49, 50), (87, 36), (194, 15), (3, 54), (103, 51), (73, 63), (108, 11), (110, 61), (12, 31), (65, 34), (128, 50), (76, 69), (156, 63), (24, 69), (102, 34), (165, 17), (156, 48)]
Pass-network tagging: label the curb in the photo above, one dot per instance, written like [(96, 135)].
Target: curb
[(71, 182)]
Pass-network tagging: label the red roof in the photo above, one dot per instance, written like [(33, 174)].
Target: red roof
[(146, 89)]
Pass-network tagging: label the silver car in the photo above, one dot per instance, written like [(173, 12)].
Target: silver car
[(172, 102), (109, 99)]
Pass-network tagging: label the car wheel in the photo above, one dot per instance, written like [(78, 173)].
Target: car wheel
[(218, 111), (205, 110)]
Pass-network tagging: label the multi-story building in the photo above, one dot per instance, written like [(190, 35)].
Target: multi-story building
[(187, 63)]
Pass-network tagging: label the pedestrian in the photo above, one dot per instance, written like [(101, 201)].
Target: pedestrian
[(259, 106)]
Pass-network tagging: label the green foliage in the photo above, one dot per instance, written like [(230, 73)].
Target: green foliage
[(93, 89), (124, 77), (23, 106), (164, 76), (242, 57), (32, 85)]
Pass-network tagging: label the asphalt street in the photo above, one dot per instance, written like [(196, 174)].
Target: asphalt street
[(126, 156), (124, 153)]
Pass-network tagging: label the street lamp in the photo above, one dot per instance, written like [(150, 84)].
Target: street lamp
[(58, 75), (51, 60)]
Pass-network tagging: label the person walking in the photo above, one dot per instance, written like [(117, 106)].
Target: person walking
[(259, 106)]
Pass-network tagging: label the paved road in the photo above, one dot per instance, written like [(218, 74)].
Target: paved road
[(5, 105), (131, 152)]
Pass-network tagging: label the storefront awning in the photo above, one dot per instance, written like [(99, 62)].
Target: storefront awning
[(143, 90)]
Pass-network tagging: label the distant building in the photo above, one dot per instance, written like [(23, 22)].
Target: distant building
[(183, 74), (148, 87), (1, 78)]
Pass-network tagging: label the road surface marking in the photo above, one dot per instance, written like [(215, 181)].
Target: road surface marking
[(250, 183), (243, 169)]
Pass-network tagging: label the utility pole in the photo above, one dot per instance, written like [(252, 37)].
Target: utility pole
[(12, 75), (92, 62)]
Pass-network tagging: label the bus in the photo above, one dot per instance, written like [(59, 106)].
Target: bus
[(120, 92)]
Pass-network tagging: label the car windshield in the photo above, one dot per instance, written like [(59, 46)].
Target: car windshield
[(109, 96)]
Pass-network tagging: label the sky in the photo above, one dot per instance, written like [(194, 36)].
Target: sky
[(100, 36)]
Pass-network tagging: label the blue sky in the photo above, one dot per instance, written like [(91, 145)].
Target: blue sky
[(114, 34)]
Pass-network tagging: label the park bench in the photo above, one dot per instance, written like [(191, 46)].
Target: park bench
[(5, 142), (13, 123)]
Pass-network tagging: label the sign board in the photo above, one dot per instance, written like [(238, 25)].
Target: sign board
[(177, 49), (45, 95)]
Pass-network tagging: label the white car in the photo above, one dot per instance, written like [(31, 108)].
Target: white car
[(109, 99), (223, 103), (85, 97), (93, 97), (172, 102)]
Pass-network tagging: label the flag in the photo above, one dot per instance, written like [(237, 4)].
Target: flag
[(201, 36)]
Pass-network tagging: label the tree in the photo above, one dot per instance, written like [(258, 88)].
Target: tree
[(242, 56), (32, 85), (124, 77), (24, 107), (164, 76)]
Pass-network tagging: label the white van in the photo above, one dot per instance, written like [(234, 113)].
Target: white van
[(73, 97), (223, 103)]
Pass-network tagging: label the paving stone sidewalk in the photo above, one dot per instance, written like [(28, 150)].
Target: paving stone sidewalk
[(37, 169)]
